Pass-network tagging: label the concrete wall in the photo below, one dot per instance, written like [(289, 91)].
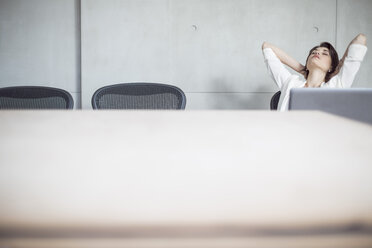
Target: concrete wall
[(40, 44), (209, 48)]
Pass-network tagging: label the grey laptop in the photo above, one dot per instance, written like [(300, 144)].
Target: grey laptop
[(352, 103)]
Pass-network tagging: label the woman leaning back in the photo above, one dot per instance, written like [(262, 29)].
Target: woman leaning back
[(322, 68)]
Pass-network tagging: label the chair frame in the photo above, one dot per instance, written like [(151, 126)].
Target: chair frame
[(28, 94), (98, 91), (275, 100)]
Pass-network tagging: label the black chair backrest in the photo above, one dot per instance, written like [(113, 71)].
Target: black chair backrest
[(139, 96), (274, 101), (35, 97)]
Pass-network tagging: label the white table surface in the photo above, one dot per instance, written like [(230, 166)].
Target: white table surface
[(190, 169)]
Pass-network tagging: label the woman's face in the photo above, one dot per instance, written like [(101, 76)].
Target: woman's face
[(319, 58)]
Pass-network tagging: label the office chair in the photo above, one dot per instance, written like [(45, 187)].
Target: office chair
[(139, 96), (274, 101), (35, 97)]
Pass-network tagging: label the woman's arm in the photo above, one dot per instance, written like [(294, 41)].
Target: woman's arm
[(360, 39), (285, 58)]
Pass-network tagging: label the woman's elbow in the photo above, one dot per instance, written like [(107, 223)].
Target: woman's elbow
[(265, 45), (361, 39)]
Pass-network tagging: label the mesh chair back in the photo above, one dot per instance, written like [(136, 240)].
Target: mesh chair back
[(139, 96), (275, 100), (35, 97)]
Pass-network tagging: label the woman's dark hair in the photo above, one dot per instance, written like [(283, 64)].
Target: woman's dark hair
[(334, 58)]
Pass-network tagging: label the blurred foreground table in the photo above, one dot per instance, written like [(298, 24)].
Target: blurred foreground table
[(184, 179)]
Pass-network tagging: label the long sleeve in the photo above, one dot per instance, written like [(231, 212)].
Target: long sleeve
[(345, 78), (276, 69)]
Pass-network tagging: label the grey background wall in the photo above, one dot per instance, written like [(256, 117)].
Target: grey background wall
[(40, 44), (209, 48)]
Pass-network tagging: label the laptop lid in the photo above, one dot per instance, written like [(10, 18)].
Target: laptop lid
[(351, 103)]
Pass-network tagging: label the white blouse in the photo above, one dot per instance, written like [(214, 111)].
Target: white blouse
[(286, 81)]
